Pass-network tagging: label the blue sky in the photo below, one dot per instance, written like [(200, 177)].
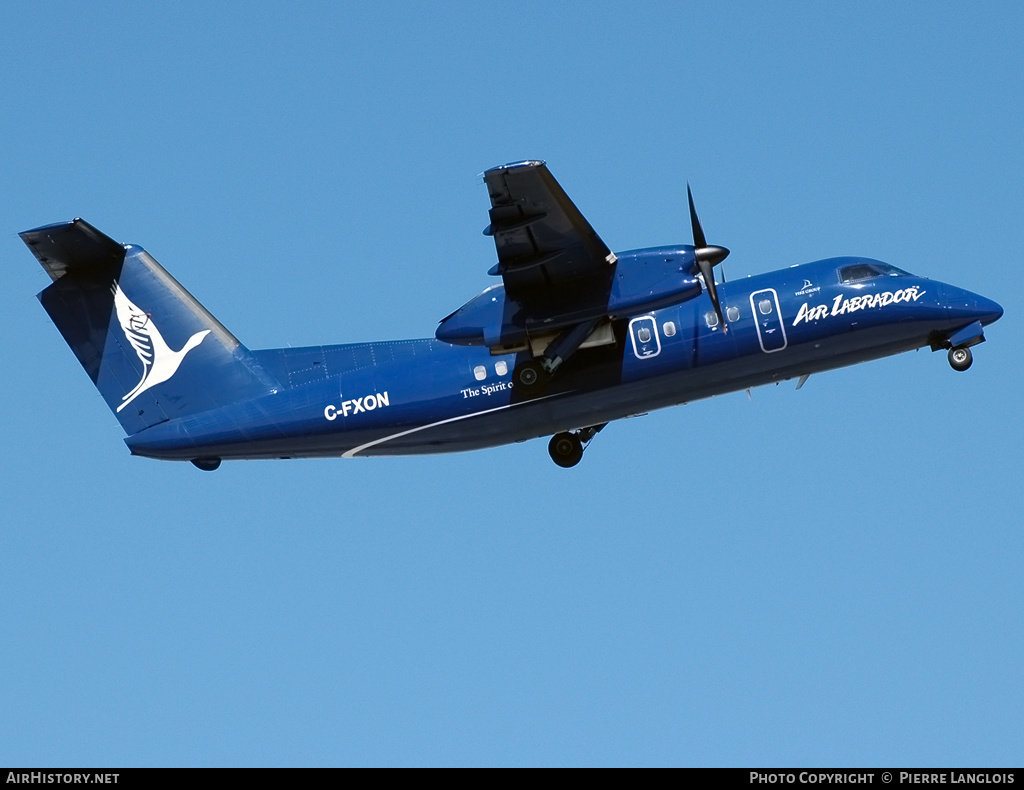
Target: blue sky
[(823, 577)]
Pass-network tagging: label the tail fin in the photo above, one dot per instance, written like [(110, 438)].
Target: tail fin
[(151, 349)]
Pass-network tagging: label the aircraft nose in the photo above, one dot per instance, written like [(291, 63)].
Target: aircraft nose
[(972, 306), (986, 310)]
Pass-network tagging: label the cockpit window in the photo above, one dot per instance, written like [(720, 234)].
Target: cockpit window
[(858, 272), (891, 270), (865, 271)]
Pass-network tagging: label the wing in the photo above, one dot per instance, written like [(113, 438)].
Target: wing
[(545, 245)]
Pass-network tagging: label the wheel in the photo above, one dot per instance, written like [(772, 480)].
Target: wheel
[(529, 378), (960, 358), (566, 449)]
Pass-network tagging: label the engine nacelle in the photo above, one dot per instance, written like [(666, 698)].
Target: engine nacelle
[(639, 281)]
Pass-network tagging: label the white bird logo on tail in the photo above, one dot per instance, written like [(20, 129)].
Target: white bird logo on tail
[(159, 362)]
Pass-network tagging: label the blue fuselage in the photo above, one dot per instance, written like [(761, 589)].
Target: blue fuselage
[(427, 396)]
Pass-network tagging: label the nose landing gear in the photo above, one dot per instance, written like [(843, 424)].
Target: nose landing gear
[(960, 358), (566, 448)]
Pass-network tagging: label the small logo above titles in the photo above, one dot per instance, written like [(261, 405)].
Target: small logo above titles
[(808, 288)]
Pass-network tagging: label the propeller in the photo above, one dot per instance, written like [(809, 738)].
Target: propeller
[(707, 258)]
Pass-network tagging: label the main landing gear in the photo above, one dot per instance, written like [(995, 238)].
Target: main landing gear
[(566, 448), (531, 376), (960, 358)]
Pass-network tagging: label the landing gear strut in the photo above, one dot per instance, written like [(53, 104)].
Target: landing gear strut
[(960, 358), (566, 448)]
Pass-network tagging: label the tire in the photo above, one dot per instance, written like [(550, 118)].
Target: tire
[(565, 449), (960, 358)]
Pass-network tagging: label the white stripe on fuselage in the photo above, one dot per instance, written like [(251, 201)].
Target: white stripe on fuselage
[(352, 453)]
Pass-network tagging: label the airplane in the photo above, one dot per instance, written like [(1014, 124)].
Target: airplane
[(574, 337)]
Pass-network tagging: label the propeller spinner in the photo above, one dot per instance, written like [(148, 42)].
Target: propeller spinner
[(707, 258)]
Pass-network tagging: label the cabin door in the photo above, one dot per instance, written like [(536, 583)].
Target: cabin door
[(771, 333), (643, 332)]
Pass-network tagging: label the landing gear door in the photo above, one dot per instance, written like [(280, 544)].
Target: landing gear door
[(771, 332), (643, 332)]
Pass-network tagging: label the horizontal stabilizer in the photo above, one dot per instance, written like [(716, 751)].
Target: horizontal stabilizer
[(74, 246)]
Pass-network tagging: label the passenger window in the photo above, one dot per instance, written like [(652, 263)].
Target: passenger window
[(643, 334), (732, 313), (765, 306), (501, 367), (712, 318), (669, 328), (480, 372)]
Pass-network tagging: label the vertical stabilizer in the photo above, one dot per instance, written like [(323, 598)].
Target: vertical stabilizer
[(152, 350)]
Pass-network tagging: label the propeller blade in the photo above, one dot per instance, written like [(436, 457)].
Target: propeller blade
[(709, 283), (707, 256), (698, 231)]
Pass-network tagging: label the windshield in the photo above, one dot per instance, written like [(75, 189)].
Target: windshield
[(865, 271)]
